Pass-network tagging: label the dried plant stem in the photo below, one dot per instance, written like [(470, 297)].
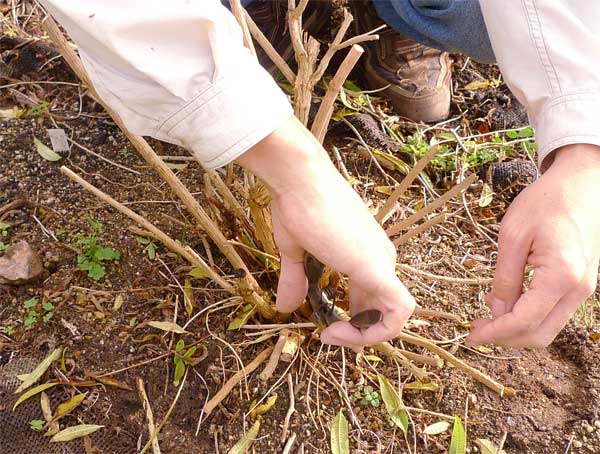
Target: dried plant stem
[(457, 189), (274, 358), (449, 357), (171, 244), (235, 379), (421, 312), (420, 229), (429, 360), (238, 12), (167, 415), (266, 45), (149, 416), (321, 122), (436, 277), (390, 205), (392, 352), (248, 285), (291, 408)]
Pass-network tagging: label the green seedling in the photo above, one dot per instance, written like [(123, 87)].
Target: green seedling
[(182, 360), (369, 396), (36, 424), (35, 313), (150, 248), (93, 256)]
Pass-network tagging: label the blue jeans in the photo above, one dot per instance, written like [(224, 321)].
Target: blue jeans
[(449, 25)]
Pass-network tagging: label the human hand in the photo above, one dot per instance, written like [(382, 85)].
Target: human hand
[(314, 209), (554, 226)]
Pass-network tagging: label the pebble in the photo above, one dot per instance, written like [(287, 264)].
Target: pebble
[(577, 444), (597, 424)]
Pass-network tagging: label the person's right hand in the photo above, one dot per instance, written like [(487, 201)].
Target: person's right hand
[(315, 210)]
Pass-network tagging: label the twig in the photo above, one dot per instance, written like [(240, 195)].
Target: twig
[(454, 191), (390, 205), (238, 11), (429, 360), (171, 244), (235, 379), (392, 352), (290, 443), (266, 45), (422, 312), (99, 156), (167, 415), (321, 121), (420, 229), (274, 358), (291, 408), (436, 277), (149, 416), (449, 357)]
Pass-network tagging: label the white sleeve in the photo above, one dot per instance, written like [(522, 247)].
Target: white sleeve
[(549, 54), (176, 70)]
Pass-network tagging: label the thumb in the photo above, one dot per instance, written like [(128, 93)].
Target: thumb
[(293, 285), (513, 250)]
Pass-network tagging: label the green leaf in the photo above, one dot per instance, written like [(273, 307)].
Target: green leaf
[(339, 435), (263, 408), (47, 153), (48, 306), (36, 374), (142, 240), (436, 428), (179, 371), (70, 405), (393, 404), (179, 345), (30, 303), (95, 271), (246, 441), (106, 253), (151, 251), (458, 443), (37, 424), (247, 312), (168, 326), (32, 392), (75, 432), (198, 273), (189, 353)]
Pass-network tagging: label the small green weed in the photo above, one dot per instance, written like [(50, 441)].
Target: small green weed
[(38, 110), (369, 396), (150, 248), (182, 360), (37, 424), (35, 312), (93, 255)]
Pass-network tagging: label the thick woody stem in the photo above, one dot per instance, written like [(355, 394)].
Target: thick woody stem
[(238, 12), (321, 122)]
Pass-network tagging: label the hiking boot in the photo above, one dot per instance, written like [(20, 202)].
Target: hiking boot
[(271, 17), (418, 77)]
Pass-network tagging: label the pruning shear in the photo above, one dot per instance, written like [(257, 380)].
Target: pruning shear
[(323, 308)]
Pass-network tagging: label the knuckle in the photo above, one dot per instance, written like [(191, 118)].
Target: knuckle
[(573, 270)]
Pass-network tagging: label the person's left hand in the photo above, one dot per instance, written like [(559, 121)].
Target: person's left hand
[(554, 226)]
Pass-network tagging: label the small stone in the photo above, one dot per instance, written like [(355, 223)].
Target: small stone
[(577, 444), (20, 264), (597, 424), (588, 428)]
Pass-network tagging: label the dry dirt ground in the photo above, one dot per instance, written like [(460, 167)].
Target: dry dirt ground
[(558, 388)]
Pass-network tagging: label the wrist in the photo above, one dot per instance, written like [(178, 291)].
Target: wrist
[(288, 157), (577, 157)]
